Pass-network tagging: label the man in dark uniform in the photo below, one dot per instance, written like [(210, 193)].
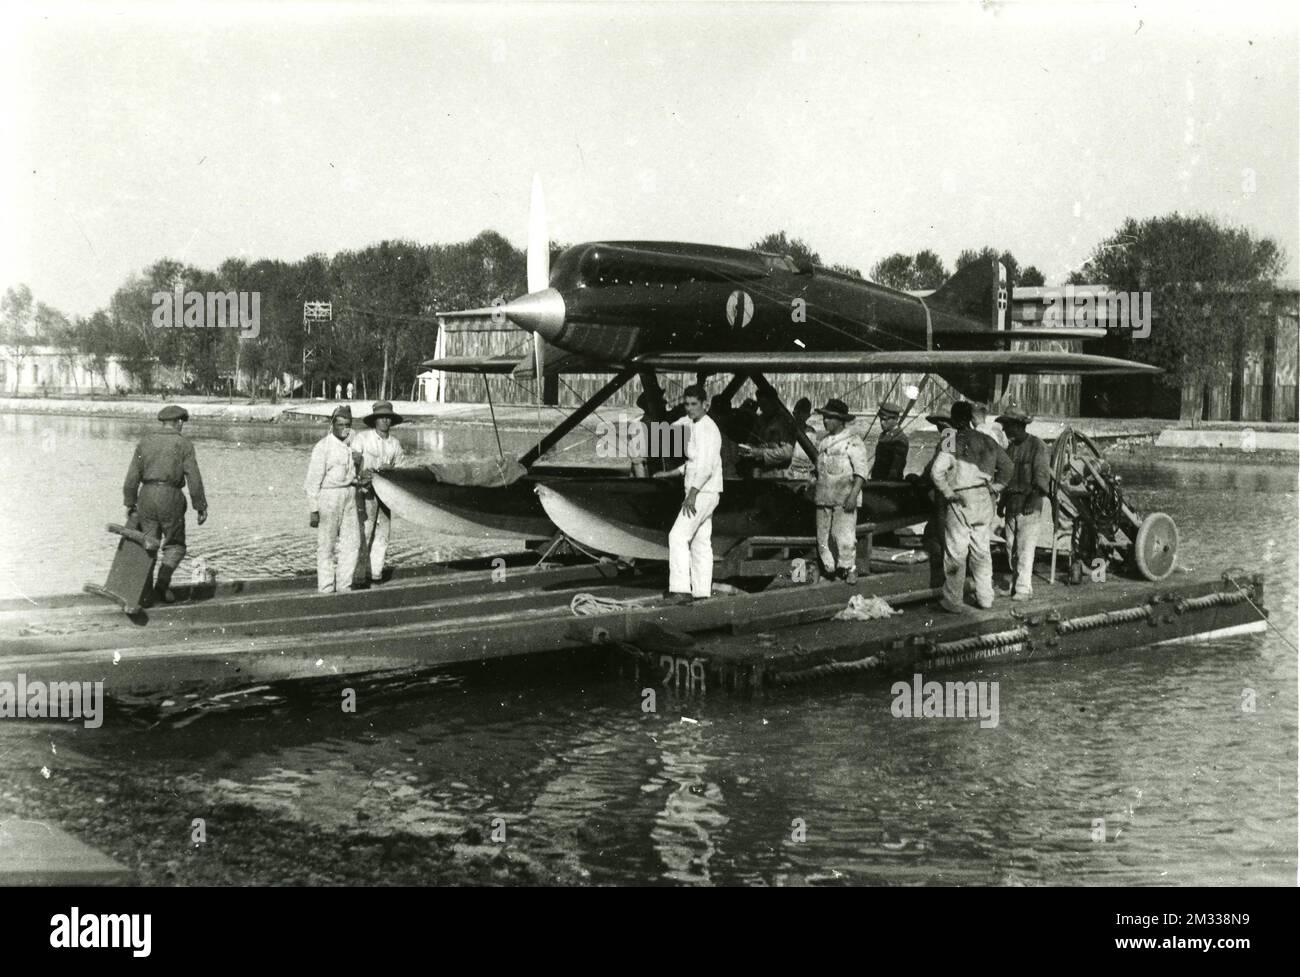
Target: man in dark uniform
[(162, 465), (1023, 501), (891, 447)]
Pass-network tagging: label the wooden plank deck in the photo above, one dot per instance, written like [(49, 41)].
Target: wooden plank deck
[(1059, 622)]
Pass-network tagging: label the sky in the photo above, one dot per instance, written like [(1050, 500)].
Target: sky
[(197, 131)]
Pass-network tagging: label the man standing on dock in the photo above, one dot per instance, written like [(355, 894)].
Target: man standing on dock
[(379, 452), (163, 464), (1021, 504), (330, 486), (841, 472), (969, 470), (690, 543), (932, 538)]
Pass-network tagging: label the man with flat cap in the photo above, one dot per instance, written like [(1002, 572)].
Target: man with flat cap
[(1022, 501), (163, 464), (332, 499), (841, 472), (891, 447), (379, 452), (968, 471)]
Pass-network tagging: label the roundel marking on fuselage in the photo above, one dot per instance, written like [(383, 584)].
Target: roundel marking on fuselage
[(740, 301)]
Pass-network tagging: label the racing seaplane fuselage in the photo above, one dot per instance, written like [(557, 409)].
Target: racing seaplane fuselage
[(638, 309)]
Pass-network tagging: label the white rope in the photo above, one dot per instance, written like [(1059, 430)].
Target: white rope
[(585, 605)]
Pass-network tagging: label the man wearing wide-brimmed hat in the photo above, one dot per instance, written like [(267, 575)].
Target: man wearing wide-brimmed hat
[(379, 452), (1023, 500), (163, 464), (331, 496), (841, 471), (891, 447)]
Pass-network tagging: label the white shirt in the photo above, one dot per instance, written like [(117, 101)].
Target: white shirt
[(703, 468), (330, 468), (377, 451)]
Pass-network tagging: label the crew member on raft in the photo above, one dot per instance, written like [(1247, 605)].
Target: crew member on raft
[(163, 464), (772, 453), (932, 538), (841, 472), (379, 451), (331, 496), (891, 447), (968, 472), (1022, 501), (690, 543)]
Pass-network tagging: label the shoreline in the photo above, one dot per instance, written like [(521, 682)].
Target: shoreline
[(1276, 442)]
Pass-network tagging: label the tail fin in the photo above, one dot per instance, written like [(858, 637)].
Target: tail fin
[(980, 291)]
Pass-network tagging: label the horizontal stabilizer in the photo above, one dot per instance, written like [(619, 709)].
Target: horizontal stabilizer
[(910, 361)]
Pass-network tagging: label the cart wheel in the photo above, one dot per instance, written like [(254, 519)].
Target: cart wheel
[(1156, 546), (1072, 453)]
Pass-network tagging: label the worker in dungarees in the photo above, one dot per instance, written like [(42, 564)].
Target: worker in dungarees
[(163, 464), (332, 499), (841, 473), (380, 451), (969, 471)]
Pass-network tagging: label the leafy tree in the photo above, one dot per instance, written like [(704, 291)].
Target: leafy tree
[(780, 243), (1211, 291), (908, 272), (96, 340), (846, 270), (16, 327), (53, 328), (1031, 277)]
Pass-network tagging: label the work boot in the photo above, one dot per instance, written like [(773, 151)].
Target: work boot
[(674, 599), (1005, 591), (950, 607), (162, 586), (1022, 597), (851, 576)]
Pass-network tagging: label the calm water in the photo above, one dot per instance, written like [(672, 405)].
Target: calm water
[(1193, 790)]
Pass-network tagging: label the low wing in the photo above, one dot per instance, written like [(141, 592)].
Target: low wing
[(556, 361), (912, 361), (474, 364)]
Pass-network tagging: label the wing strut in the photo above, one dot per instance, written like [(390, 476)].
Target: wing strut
[(558, 433), (800, 434)]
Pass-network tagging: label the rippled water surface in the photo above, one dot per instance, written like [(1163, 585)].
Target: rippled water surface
[(1192, 788)]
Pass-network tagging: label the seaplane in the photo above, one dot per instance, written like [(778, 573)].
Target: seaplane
[(640, 309)]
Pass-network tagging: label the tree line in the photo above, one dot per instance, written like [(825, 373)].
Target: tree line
[(384, 298)]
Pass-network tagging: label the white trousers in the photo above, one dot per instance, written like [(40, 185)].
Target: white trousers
[(690, 549), (1021, 534), (378, 522), (966, 541), (837, 538), (337, 540)]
